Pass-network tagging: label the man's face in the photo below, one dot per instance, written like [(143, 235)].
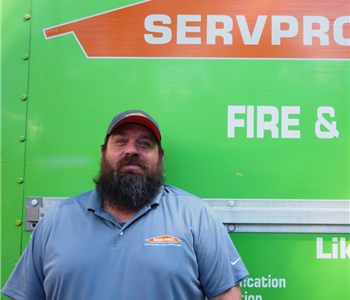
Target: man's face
[(131, 171), (132, 148)]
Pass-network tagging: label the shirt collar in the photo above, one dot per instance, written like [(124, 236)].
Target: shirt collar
[(95, 202), (156, 199)]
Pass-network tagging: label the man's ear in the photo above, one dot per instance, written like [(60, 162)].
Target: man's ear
[(101, 151), (163, 156)]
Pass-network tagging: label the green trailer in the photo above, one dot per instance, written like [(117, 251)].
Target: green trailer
[(252, 99)]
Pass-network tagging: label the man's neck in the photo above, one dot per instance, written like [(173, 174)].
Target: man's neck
[(118, 215)]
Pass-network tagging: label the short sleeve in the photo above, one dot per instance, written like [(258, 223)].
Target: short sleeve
[(220, 266), (26, 280)]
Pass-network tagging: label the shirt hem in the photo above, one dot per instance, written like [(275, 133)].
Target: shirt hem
[(221, 289)]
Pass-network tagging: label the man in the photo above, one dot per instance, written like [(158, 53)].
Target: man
[(133, 237)]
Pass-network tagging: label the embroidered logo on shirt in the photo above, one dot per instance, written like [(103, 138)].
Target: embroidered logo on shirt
[(236, 261), (165, 240)]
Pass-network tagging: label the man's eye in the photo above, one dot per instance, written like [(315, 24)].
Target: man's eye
[(145, 144), (120, 141)]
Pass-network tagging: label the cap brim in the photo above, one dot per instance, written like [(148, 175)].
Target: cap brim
[(139, 120)]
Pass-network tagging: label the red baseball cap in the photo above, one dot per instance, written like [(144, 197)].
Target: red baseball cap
[(135, 116)]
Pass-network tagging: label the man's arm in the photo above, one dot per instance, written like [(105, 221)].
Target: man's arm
[(232, 294)]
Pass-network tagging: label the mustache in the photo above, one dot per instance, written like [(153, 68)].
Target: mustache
[(131, 160)]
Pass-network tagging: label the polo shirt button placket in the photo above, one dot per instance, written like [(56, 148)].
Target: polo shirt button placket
[(119, 235)]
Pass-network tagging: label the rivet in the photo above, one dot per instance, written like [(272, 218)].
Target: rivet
[(22, 138), (24, 97), (20, 180), (231, 228), (18, 222), (27, 16), (231, 203), (25, 56), (42, 214), (34, 202)]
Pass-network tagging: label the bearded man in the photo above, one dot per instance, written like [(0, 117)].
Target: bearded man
[(133, 237)]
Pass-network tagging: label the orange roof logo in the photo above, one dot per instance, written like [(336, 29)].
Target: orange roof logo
[(163, 239), (215, 29)]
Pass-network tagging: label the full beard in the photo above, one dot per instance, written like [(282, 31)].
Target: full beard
[(128, 190)]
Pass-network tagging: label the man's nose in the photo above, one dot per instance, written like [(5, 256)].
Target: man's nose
[(131, 149)]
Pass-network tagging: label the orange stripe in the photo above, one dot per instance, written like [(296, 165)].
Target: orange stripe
[(121, 33)]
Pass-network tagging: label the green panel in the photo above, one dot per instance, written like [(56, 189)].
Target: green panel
[(190, 99), (285, 266), (14, 83)]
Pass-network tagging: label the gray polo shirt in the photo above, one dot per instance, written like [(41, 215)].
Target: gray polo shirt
[(173, 248)]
